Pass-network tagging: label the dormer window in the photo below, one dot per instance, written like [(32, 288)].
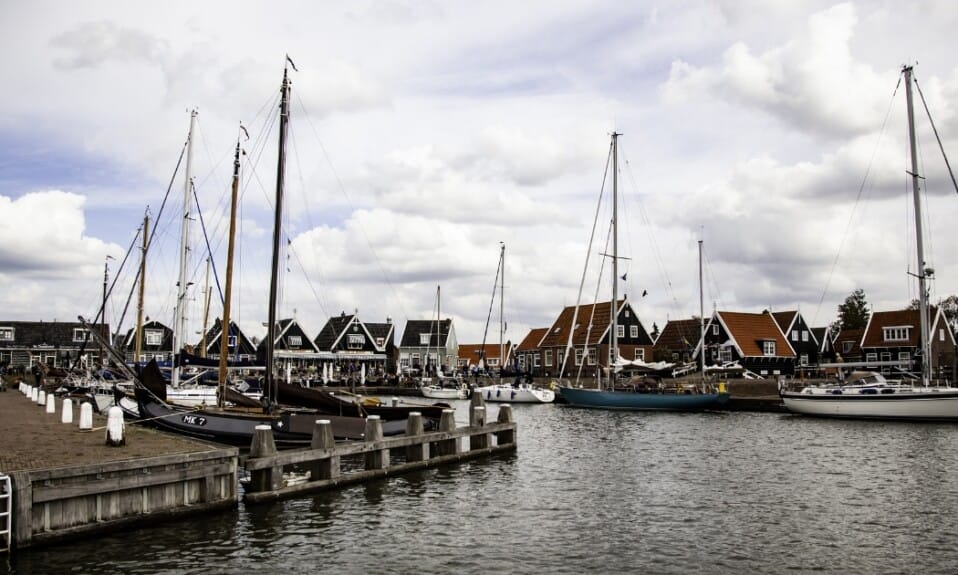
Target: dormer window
[(847, 346), (896, 333), (6, 334), (424, 338), (768, 347), (80, 334), (153, 337), (294, 341)]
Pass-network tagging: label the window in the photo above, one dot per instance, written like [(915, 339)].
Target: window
[(380, 341), (904, 357), (578, 356), (231, 341), (355, 341), (847, 346), (535, 359), (153, 337), (794, 335), (294, 341), (592, 356), (404, 361), (626, 313), (619, 331), (560, 355), (898, 333), (803, 359), (6, 334), (415, 359), (81, 334), (675, 356), (768, 347), (941, 334), (424, 338), (548, 358), (715, 329), (633, 331), (804, 335), (493, 362), (725, 354), (640, 354), (871, 357), (886, 356)]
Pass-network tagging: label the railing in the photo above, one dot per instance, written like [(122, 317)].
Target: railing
[(320, 467), (6, 512)]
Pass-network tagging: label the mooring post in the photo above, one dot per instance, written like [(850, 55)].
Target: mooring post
[(51, 404), (263, 445), (414, 428), (86, 416), (41, 398), (114, 427), (477, 418), (448, 423), (34, 394), (378, 459), (67, 416), (505, 416), (327, 468)]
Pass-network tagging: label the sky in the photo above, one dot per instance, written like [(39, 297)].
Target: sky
[(424, 135)]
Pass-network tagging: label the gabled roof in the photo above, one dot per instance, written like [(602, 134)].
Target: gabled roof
[(473, 351), (785, 319), (46, 333), (416, 327), (680, 334), (823, 335), (129, 342), (748, 330), (244, 344), (850, 335), (597, 315), (532, 340), (337, 327), (284, 326), (910, 318)]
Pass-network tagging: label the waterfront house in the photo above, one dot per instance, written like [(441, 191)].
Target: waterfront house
[(428, 344), (352, 344), (826, 343), (892, 342), (753, 340), (486, 357), (292, 348), (54, 344), (528, 356), (848, 345), (157, 343), (800, 337), (591, 339), (678, 341), (239, 347)]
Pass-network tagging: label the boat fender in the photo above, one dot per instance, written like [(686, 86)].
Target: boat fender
[(498, 392)]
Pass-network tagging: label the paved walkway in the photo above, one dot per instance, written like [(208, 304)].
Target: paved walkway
[(30, 438)]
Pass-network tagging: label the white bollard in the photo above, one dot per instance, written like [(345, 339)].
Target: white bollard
[(34, 393), (67, 416), (51, 404), (22, 388), (395, 401), (41, 398), (86, 416), (114, 427)]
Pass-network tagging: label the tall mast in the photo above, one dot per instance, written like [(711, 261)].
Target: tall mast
[(207, 293), (277, 233), (179, 322), (106, 271), (138, 353), (701, 315), (439, 346), (225, 322), (922, 271), (614, 347), (502, 295)]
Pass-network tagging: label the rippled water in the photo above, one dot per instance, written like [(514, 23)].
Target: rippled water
[(599, 492)]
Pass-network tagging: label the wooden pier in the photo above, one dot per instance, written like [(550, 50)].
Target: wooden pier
[(272, 473), (67, 483)]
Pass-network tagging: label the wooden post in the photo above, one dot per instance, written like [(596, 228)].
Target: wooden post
[(505, 416), (447, 423), (263, 445), (327, 468), (67, 416), (378, 459), (86, 416), (477, 418), (414, 428)]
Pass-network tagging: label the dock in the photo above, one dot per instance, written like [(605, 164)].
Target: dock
[(67, 483)]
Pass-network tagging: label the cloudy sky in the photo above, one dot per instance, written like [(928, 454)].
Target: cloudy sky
[(423, 134)]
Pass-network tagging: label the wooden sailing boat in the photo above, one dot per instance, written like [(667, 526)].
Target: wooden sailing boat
[(237, 426), (632, 398), (873, 397)]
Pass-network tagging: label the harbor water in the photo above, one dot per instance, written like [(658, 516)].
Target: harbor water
[(595, 492)]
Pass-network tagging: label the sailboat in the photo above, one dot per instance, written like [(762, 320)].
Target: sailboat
[(291, 427), (444, 387), (872, 396), (695, 398), (518, 391)]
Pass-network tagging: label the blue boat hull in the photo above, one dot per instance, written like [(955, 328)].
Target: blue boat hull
[(628, 400)]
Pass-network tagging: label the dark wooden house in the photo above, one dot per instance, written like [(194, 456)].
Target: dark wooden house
[(753, 340), (157, 343), (528, 356), (352, 344), (800, 337), (54, 344), (427, 344), (892, 343)]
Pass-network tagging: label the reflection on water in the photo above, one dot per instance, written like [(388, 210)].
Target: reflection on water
[(597, 491)]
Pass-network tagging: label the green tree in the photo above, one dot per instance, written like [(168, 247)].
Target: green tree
[(853, 314)]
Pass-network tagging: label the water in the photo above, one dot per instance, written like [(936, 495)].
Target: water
[(596, 492)]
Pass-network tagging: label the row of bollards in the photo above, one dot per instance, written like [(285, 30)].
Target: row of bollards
[(115, 423)]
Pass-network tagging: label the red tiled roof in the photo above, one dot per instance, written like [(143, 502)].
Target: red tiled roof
[(750, 329), (531, 341), (598, 314), (471, 351), (784, 319), (680, 334), (852, 335), (875, 336)]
